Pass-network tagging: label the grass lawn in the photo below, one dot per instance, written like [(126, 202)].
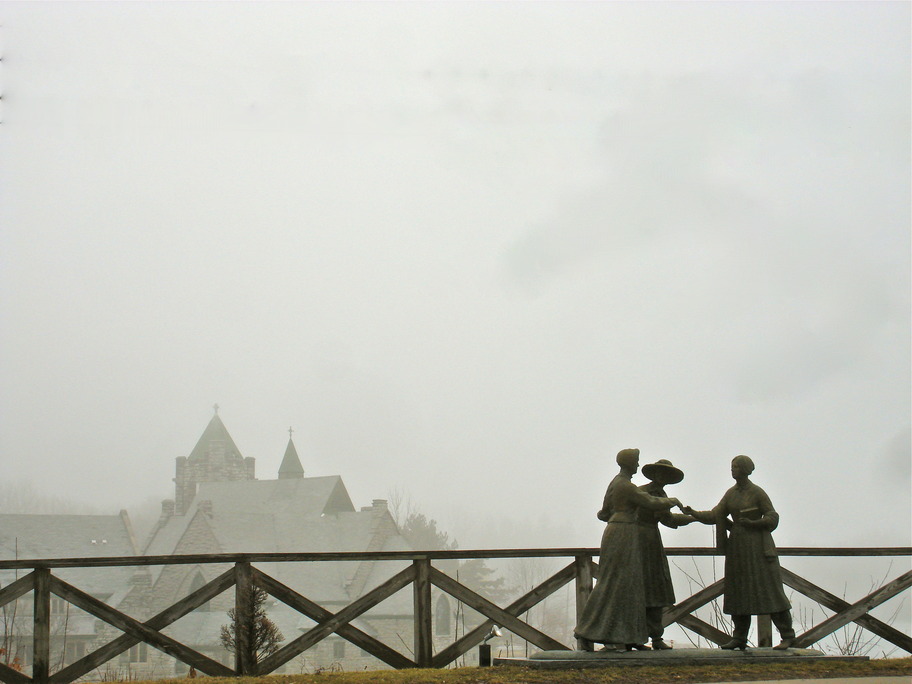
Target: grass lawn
[(678, 674)]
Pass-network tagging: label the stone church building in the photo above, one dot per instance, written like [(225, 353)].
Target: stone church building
[(220, 506)]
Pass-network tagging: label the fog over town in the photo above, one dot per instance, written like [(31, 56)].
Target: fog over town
[(467, 251)]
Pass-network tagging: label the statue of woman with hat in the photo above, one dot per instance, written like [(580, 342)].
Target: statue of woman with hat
[(753, 578), (615, 613), (656, 575)]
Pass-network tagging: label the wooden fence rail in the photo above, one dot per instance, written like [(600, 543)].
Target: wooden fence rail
[(422, 575)]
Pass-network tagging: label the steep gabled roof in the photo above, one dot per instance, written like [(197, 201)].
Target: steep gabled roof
[(249, 503), (165, 537), (291, 467), (303, 497), (70, 536), (214, 432), (306, 514), (64, 536)]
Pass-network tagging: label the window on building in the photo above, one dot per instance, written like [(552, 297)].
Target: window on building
[(338, 649), (198, 583), (442, 616), (136, 654), (58, 605), (75, 650)]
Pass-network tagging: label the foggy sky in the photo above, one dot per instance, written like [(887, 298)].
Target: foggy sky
[(468, 251)]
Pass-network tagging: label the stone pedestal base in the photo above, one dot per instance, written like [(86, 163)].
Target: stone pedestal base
[(677, 656)]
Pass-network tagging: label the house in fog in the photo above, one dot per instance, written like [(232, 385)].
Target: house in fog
[(73, 632)]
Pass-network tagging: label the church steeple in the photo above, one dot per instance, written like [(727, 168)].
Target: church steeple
[(215, 458), (291, 467), (215, 440)]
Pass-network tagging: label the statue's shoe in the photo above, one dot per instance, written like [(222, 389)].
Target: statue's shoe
[(739, 644), (637, 647), (659, 645), (613, 648), (786, 643)]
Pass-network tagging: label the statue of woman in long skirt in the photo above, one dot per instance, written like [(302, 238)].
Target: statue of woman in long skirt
[(615, 613), (753, 578)]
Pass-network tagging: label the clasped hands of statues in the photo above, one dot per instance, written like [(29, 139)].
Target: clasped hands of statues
[(604, 515), (747, 523)]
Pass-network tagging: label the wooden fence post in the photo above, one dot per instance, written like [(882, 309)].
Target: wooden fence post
[(41, 635), (583, 570), (424, 645), (245, 657)]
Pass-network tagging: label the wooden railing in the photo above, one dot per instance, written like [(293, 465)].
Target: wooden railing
[(422, 575)]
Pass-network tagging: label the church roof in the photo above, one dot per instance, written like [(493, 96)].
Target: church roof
[(291, 465), (246, 514), (214, 432), (263, 516), (304, 497), (32, 536)]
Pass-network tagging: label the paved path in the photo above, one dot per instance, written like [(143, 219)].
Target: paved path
[(837, 680)]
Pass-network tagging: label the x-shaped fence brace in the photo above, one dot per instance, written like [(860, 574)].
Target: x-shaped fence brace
[(134, 631), (844, 612), (149, 631), (422, 575)]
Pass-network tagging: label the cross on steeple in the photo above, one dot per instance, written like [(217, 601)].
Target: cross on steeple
[(215, 407), (291, 467)]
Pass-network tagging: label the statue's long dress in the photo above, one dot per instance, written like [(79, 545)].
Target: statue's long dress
[(656, 574), (753, 578), (616, 610)]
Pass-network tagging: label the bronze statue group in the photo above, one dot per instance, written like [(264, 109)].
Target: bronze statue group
[(624, 610)]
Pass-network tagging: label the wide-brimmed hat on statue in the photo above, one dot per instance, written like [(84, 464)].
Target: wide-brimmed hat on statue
[(664, 471)]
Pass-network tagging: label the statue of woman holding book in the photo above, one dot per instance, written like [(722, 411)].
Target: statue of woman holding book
[(753, 581)]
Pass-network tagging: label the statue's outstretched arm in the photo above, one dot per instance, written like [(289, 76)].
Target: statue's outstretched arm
[(674, 520), (712, 517), (705, 517)]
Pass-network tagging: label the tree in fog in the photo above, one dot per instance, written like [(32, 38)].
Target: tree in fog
[(477, 576), (266, 636), (422, 534), (22, 497)]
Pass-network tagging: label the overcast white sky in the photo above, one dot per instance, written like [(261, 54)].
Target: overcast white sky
[(466, 250)]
